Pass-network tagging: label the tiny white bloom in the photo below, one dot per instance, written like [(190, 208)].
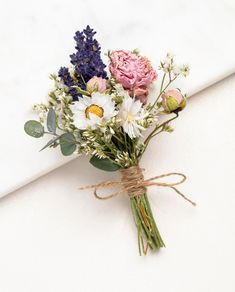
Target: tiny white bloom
[(176, 70), (167, 64), (119, 90), (71, 69), (166, 67), (169, 56), (185, 70), (130, 114), (111, 131), (91, 112)]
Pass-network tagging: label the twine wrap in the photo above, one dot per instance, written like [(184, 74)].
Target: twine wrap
[(134, 184), (133, 181)]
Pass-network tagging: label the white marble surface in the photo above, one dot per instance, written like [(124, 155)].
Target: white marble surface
[(55, 238), (36, 39)]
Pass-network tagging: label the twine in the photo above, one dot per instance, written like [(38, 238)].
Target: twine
[(134, 184)]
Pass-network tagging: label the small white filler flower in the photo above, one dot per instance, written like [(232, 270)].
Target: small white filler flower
[(131, 115), (92, 112), (185, 70)]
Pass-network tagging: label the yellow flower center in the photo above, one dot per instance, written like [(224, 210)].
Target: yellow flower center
[(130, 117), (95, 110)]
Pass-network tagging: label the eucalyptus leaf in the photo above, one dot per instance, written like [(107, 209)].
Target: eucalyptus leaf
[(51, 121), (104, 164), (34, 129), (67, 144), (50, 143)]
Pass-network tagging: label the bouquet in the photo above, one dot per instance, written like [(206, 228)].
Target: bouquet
[(108, 113)]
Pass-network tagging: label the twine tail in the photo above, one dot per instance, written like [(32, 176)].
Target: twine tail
[(134, 184)]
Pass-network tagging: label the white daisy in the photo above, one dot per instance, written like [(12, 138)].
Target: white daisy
[(90, 112), (131, 114)]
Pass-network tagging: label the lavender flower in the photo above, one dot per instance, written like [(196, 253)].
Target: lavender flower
[(68, 81), (87, 61)]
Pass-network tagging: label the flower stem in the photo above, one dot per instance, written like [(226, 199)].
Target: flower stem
[(154, 132), (163, 89), (148, 233)]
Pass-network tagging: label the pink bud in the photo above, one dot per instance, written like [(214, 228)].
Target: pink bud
[(173, 100), (96, 84)]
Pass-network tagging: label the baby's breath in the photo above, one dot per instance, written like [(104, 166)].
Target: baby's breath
[(124, 159)]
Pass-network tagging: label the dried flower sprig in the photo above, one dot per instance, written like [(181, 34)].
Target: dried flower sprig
[(107, 114)]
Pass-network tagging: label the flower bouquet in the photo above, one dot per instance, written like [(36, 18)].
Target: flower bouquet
[(104, 114)]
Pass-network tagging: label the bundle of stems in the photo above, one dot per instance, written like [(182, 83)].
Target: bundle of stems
[(148, 233)]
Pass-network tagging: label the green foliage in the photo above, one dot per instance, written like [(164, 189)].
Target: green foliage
[(103, 164), (34, 129), (51, 143), (67, 144), (51, 121)]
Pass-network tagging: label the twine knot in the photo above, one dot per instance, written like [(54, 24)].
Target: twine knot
[(133, 183)]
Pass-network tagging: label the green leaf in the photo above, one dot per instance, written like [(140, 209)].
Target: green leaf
[(104, 164), (51, 121), (50, 143), (34, 129), (67, 144)]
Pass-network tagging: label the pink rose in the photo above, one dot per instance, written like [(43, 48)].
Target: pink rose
[(141, 93), (96, 84), (133, 72), (173, 100)]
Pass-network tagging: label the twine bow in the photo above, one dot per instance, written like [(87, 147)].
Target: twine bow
[(134, 184)]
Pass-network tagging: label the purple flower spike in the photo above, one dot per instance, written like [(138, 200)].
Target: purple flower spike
[(86, 60)]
